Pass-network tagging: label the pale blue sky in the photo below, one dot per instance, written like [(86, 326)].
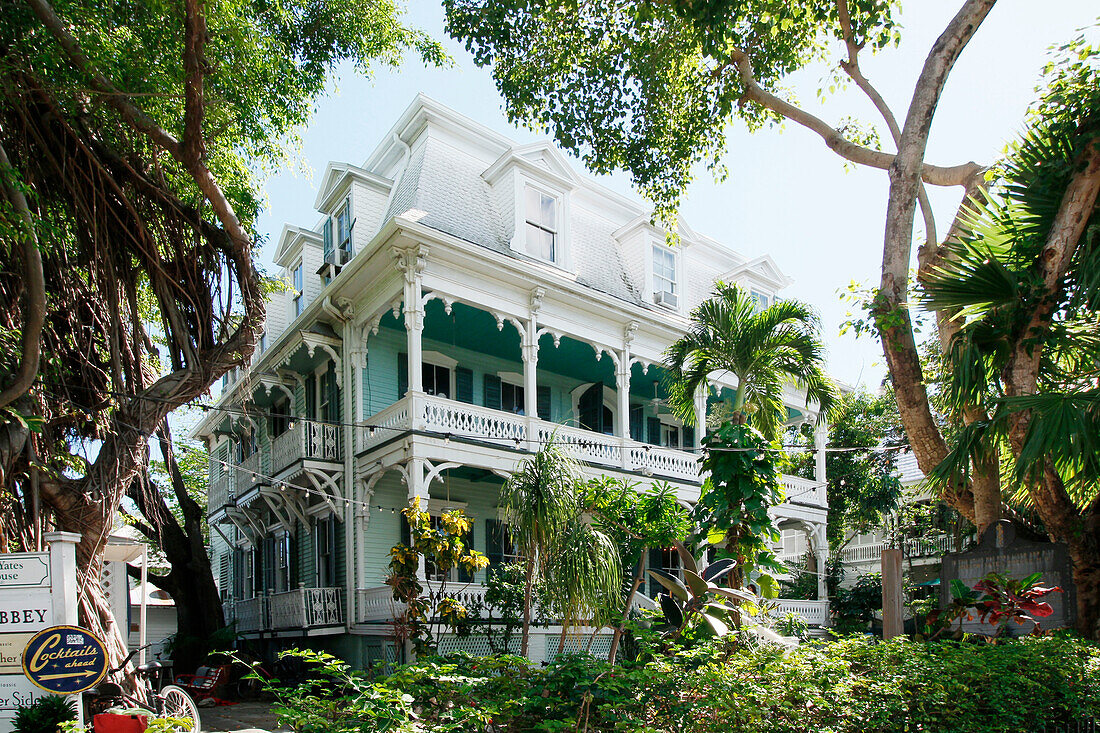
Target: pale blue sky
[(787, 195)]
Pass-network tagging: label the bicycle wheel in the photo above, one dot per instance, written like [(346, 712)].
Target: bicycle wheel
[(176, 703), (249, 688)]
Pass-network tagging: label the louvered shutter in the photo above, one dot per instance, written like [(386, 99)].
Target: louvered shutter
[(402, 375), (653, 428), (492, 392), (464, 385), (542, 399)]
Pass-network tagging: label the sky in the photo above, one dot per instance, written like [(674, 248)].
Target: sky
[(787, 195)]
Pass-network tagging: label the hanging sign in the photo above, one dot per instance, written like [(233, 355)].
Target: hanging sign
[(65, 660)]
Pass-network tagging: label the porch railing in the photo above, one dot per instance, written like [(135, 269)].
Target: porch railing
[(302, 608), (307, 439), (804, 491), (461, 419), (814, 613), (220, 492), (912, 548), (377, 604), (248, 473)]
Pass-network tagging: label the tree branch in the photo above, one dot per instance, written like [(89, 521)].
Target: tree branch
[(957, 175), (34, 315), (852, 69)]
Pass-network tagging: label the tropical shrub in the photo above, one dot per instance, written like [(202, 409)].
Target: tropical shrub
[(44, 715), (853, 685)]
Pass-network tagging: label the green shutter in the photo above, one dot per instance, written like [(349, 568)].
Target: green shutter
[(542, 400), (464, 385), (464, 575), (494, 541), (492, 391), (637, 423), (687, 437), (653, 428), (327, 232), (311, 396), (402, 375), (406, 532)]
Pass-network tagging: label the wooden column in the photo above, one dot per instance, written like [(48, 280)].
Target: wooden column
[(893, 616)]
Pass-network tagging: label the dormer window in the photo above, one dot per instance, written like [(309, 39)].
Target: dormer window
[(338, 243), (542, 224), (665, 290), (760, 300)]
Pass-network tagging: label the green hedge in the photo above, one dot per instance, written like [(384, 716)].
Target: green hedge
[(1031, 684)]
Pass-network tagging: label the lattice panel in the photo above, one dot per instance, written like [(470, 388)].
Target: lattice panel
[(574, 644), (475, 645)]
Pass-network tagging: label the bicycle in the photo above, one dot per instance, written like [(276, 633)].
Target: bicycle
[(170, 702)]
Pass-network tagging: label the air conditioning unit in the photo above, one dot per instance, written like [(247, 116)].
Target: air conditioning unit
[(338, 257), (667, 299)]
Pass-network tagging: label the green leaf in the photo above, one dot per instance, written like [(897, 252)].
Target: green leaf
[(671, 582)]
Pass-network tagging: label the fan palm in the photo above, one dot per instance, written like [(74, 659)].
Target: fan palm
[(762, 348), (543, 512)]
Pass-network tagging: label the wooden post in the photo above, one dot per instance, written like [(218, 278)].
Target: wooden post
[(893, 623)]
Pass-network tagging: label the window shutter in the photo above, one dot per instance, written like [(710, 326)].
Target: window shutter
[(464, 575), (654, 564), (328, 237), (311, 395), (494, 542), (332, 392), (406, 533), (590, 408), (687, 437), (653, 428), (637, 423), (542, 399), (492, 391), (345, 243), (464, 385), (402, 375)]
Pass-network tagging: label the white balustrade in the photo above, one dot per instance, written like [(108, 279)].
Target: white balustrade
[(248, 473), (307, 439), (804, 491), (250, 613), (583, 445), (814, 613), (324, 606), (384, 425), (464, 419), (377, 604), (912, 548), (287, 610), (659, 461), (220, 493)]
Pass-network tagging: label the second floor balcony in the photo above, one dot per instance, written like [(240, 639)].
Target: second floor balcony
[(306, 440), (454, 420), (302, 608)]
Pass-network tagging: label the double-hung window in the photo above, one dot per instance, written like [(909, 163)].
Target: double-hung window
[(343, 227), (299, 284), (326, 552), (664, 270), (760, 300), (542, 224), (280, 417), (437, 380), (511, 398)]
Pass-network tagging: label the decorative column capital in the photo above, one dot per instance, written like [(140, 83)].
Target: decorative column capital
[(629, 331), (410, 261), (537, 294)]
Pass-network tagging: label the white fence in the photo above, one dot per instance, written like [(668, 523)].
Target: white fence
[(297, 609)]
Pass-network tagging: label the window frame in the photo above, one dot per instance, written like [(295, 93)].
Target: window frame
[(665, 253), (298, 284), (344, 225), (553, 229), (434, 365)]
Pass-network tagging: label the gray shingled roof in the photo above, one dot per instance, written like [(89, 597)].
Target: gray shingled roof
[(446, 185)]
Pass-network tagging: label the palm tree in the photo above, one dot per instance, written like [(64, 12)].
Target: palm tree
[(761, 347), (584, 575), (540, 505)]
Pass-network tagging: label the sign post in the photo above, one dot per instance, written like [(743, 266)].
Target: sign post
[(37, 591)]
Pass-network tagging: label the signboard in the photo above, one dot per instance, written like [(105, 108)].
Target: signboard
[(25, 611), (65, 660), (11, 652), (16, 691), (25, 570)]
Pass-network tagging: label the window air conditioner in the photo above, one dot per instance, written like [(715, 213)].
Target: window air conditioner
[(338, 257), (667, 299)]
